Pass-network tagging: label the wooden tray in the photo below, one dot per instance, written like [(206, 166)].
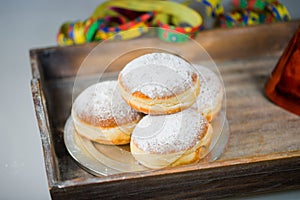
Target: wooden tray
[(264, 149)]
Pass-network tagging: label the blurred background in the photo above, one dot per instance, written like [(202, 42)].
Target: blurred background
[(34, 24)]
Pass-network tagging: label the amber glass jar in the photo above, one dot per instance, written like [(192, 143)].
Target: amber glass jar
[(283, 86)]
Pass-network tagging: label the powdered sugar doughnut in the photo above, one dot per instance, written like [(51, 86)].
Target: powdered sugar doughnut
[(169, 140), (159, 83), (209, 100), (100, 114)]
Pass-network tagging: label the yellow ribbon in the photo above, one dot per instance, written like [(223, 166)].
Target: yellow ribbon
[(166, 13)]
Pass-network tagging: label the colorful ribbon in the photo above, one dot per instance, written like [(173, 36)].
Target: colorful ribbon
[(176, 22), (112, 18), (253, 12)]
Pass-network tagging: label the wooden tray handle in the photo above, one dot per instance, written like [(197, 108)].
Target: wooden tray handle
[(43, 123)]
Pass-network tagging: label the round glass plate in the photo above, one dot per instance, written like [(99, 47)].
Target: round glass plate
[(105, 160)]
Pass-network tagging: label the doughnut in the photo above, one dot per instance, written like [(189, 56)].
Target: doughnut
[(100, 114), (160, 141), (159, 83), (209, 100)]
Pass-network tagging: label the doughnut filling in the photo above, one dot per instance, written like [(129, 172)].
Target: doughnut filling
[(100, 114), (209, 100), (169, 140), (159, 83)]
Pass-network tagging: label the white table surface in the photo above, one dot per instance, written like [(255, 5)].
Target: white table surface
[(31, 24)]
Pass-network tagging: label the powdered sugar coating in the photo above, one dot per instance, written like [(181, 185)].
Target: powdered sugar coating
[(101, 102), (211, 92), (169, 133), (157, 75)]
